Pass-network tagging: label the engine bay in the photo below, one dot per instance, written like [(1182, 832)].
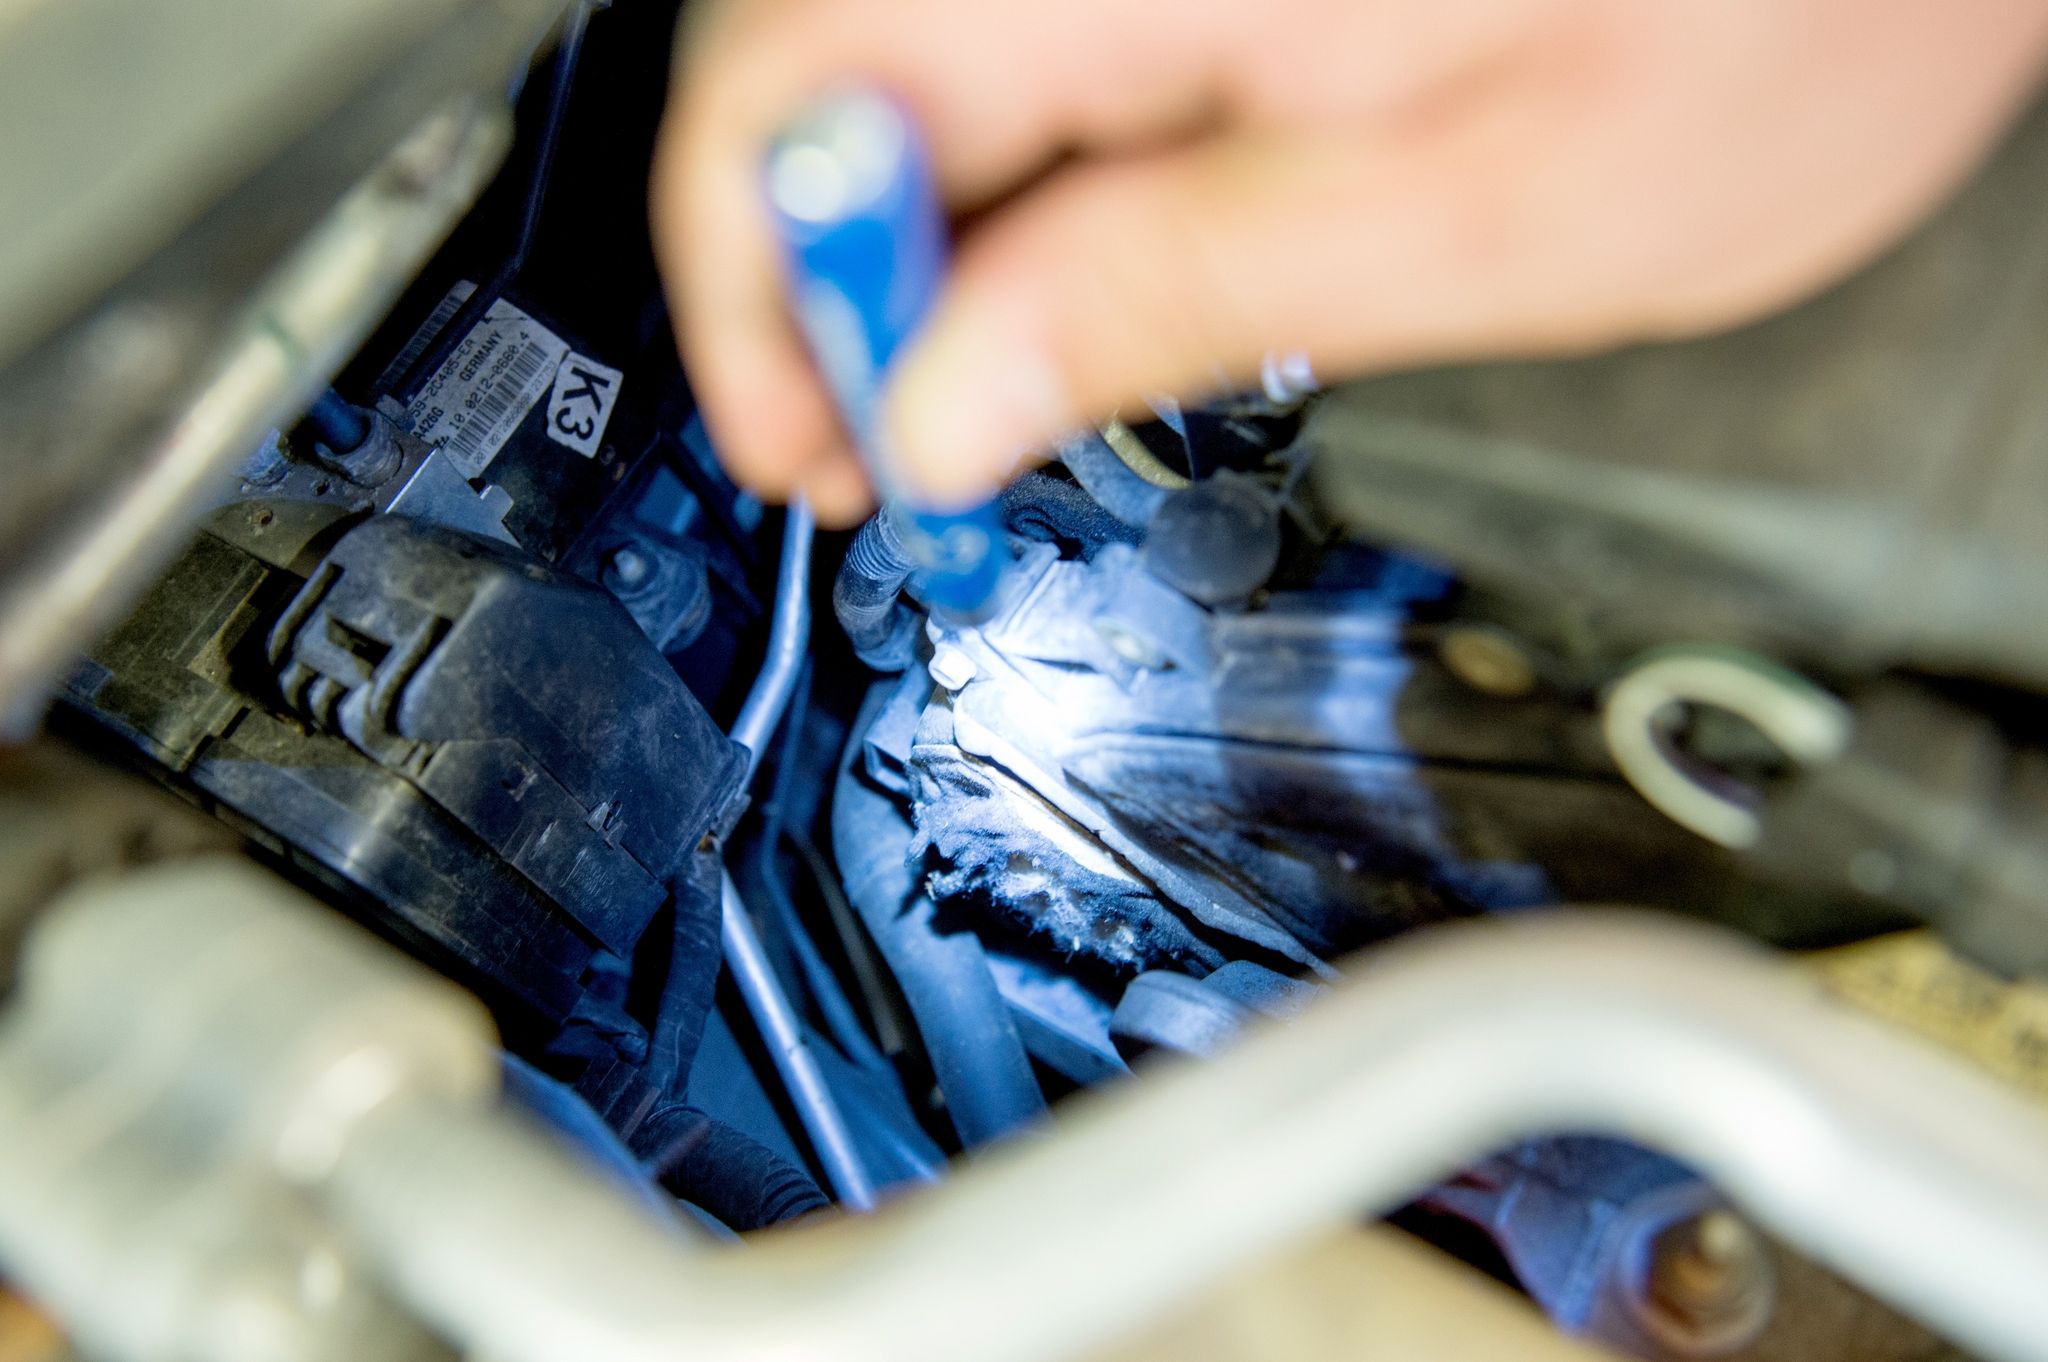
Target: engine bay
[(788, 894)]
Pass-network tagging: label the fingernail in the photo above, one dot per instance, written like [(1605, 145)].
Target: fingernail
[(964, 412)]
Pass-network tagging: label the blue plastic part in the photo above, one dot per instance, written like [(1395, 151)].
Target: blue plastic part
[(864, 238)]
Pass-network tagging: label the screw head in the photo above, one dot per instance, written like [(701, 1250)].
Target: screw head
[(628, 568), (951, 667), (1488, 660), (1710, 1287), (1128, 644)]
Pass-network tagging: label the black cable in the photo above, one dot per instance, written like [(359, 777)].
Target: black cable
[(562, 76), (729, 1173), (867, 597)]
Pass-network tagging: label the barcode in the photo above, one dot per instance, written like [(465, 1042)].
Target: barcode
[(430, 331), (512, 396)]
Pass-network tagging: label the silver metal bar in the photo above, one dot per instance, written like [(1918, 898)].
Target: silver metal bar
[(252, 1023), (1892, 1162), (789, 637), (774, 1016), (783, 1032)]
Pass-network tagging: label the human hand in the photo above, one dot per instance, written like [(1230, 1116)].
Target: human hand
[(1156, 194)]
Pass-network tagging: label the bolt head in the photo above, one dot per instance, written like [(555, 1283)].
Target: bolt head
[(1128, 644), (1710, 1288), (1488, 660), (628, 568), (951, 667)]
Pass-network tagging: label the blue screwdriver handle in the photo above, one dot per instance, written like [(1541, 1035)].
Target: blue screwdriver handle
[(864, 238)]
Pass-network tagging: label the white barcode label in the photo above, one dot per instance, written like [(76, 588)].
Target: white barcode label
[(429, 332), (478, 397), (580, 404)]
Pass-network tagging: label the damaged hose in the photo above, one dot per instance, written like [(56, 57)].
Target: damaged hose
[(977, 1057), (867, 596), (1111, 481)]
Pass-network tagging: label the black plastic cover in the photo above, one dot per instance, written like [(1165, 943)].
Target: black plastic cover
[(488, 750)]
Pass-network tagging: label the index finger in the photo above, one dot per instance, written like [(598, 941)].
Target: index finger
[(999, 89)]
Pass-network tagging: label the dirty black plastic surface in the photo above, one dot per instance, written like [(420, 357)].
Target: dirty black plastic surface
[(488, 753)]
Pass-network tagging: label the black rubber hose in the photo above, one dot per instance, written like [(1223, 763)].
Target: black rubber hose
[(686, 992), (1052, 510), (729, 1173), (867, 596), (976, 1054), (1110, 480), (566, 1113), (539, 172)]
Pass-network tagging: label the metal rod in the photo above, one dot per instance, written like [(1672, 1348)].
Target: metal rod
[(1894, 1163), (781, 1029), (789, 637), (783, 1032)]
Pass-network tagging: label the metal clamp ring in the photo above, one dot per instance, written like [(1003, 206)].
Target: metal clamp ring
[(1808, 724)]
